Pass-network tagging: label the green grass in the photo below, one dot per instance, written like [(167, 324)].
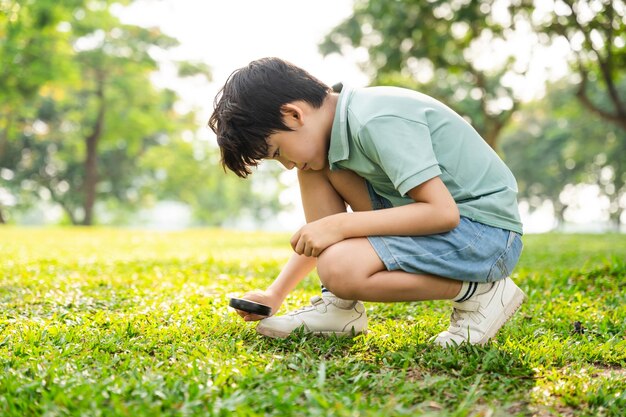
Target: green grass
[(132, 323)]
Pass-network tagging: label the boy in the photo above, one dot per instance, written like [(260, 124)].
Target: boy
[(433, 209)]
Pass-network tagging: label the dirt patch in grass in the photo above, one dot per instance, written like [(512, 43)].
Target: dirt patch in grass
[(544, 411), (608, 371)]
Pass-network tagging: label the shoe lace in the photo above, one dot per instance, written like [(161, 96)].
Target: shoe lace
[(460, 318), (314, 302), (456, 318)]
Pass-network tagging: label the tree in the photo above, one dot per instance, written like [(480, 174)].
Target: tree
[(35, 50), (190, 172), (596, 33), (453, 50), (80, 138), (554, 144), (97, 130), (113, 71)]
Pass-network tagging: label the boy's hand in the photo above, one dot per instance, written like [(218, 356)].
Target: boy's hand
[(313, 238), (263, 297)]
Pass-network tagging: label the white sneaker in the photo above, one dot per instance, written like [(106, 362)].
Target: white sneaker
[(479, 318), (327, 315)]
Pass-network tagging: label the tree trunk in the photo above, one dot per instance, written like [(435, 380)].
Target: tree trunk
[(70, 214), (559, 214), (617, 118), (91, 160), (617, 224), (2, 220), (605, 62), (495, 124), (492, 132)]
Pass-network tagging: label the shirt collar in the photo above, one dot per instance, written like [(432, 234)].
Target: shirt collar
[(339, 149)]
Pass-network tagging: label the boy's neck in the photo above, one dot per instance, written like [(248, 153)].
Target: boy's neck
[(328, 108)]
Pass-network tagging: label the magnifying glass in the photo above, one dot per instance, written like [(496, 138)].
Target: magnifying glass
[(250, 306)]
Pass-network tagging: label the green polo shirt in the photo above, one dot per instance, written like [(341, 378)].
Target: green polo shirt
[(397, 139)]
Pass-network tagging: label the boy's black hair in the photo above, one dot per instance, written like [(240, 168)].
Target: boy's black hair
[(248, 109)]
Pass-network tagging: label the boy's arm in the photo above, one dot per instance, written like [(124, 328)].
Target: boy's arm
[(319, 200), (297, 267), (434, 211), (294, 271)]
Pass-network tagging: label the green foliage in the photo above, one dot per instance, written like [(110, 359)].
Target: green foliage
[(33, 50), (190, 172), (117, 323), (190, 69), (596, 33), (555, 143), (88, 130)]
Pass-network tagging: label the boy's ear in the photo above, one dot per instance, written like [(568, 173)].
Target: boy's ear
[(292, 115)]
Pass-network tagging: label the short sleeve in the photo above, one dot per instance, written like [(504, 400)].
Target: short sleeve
[(402, 148)]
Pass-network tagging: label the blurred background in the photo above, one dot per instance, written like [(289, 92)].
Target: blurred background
[(104, 104)]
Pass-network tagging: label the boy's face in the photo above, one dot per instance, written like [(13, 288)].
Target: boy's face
[(306, 146)]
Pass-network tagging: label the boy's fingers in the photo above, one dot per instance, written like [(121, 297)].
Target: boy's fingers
[(248, 316), (311, 250), (301, 247), (295, 243), (294, 240)]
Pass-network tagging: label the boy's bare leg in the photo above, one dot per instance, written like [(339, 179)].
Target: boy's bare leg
[(323, 194), (327, 192), (351, 269)]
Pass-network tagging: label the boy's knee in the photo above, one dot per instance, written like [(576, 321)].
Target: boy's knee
[(333, 270)]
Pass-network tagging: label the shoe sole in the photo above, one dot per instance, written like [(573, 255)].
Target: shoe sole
[(516, 301), (277, 334)]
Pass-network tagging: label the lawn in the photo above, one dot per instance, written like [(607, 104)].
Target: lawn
[(133, 323)]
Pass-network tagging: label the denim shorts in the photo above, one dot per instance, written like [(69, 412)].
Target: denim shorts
[(472, 251)]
